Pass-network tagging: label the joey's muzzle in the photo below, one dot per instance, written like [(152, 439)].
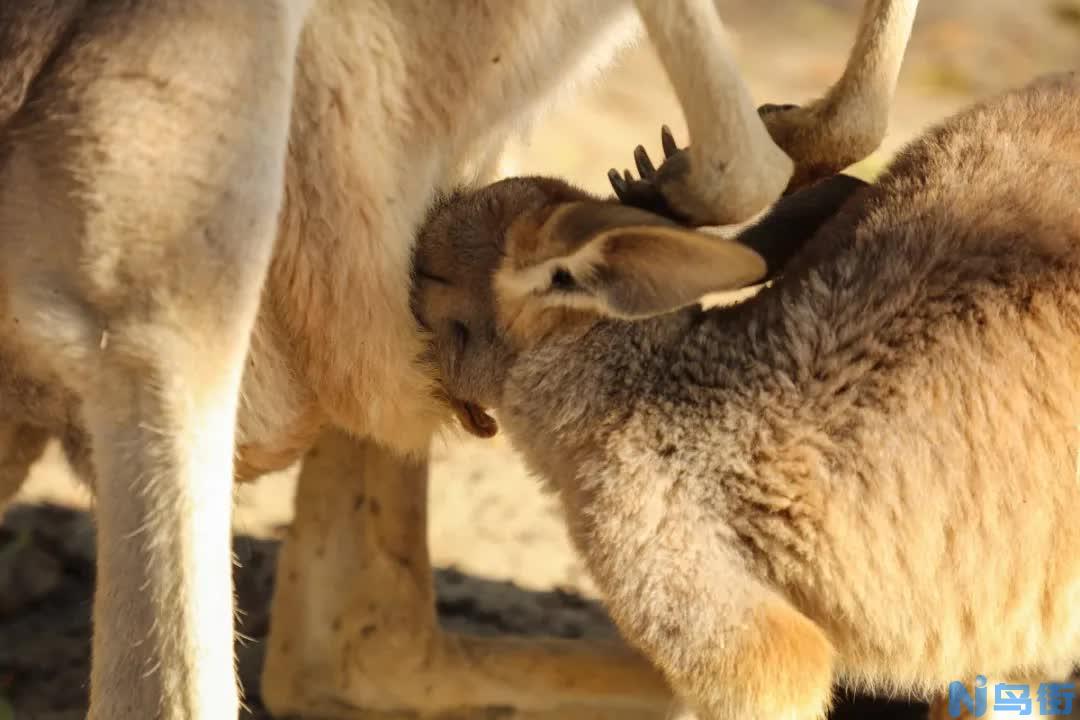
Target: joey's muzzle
[(474, 418)]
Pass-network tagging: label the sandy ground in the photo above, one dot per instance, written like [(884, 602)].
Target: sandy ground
[(506, 564)]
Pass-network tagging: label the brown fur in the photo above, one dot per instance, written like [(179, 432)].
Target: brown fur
[(206, 215), (150, 152), (867, 471), (29, 35)]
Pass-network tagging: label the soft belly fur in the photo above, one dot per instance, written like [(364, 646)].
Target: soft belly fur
[(335, 341), (387, 110)]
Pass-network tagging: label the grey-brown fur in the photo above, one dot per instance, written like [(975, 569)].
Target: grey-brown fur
[(29, 35), (868, 471), (206, 216)]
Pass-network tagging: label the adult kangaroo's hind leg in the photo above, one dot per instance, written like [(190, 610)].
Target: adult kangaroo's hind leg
[(354, 628), (138, 204)]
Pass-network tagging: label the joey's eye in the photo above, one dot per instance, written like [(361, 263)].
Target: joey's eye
[(561, 279), (423, 274), (461, 333)]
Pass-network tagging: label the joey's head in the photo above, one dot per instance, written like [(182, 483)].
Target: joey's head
[(504, 270)]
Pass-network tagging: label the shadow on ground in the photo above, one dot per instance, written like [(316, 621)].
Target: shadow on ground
[(46, 586)]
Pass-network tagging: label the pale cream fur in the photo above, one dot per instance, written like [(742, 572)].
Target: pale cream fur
[(867, 472), (147, 151), (738, 165), (142, 303)]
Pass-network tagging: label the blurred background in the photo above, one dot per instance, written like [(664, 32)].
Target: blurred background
[(492, 531)]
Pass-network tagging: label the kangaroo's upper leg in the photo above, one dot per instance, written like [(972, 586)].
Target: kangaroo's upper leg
[(139, 201), (156, 118)]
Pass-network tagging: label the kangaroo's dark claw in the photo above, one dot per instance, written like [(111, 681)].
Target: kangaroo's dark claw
[(645, 166), (619, 185), (667, 140), (644, 192)]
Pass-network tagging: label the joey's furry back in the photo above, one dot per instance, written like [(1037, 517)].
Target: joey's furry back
[(868, 471), (207, 211)]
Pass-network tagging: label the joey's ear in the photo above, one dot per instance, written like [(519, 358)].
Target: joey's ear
[(795, 218), (620, 261)]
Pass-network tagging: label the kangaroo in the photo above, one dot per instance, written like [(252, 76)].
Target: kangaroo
[(206, 218), (865, 473)]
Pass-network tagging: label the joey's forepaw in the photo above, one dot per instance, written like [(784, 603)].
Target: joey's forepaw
[(648, 192)]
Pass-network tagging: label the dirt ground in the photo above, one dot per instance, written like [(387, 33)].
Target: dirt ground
[(505, 562)]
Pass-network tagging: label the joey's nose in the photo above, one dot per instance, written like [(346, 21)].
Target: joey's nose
[(474, 418)]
